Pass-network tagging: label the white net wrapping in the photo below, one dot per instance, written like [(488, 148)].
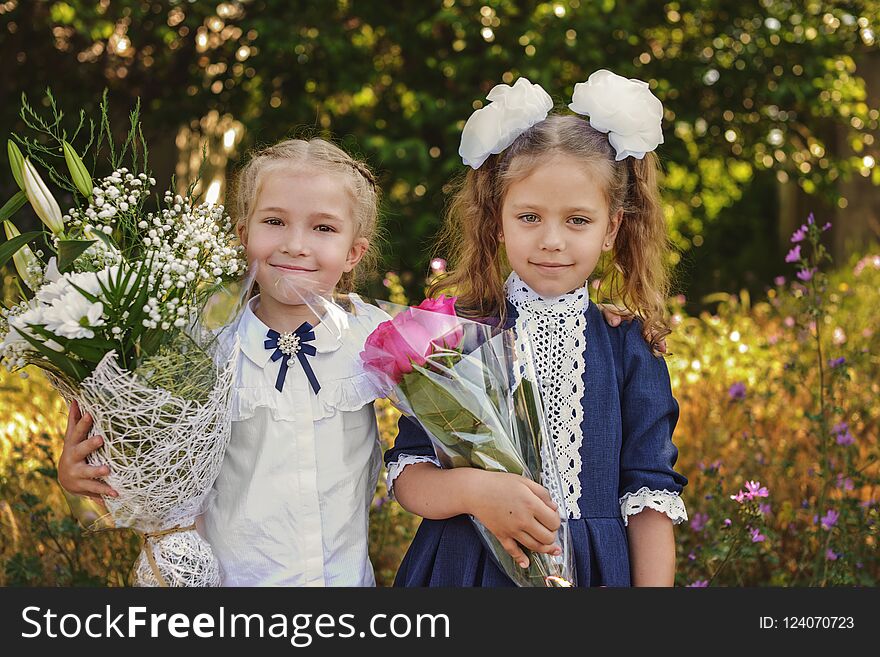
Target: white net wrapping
[(164, 454), (183, 559)]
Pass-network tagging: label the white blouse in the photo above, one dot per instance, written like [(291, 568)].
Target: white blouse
[(293, 496)]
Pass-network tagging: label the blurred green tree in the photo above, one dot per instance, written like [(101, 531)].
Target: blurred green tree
[(759, 96)]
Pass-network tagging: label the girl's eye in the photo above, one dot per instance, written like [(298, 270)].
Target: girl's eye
[(529, 218), (273, 221), (579, 221), (324, 228)]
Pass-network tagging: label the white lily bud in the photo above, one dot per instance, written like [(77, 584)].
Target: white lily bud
[(24, 259), (41, 199)]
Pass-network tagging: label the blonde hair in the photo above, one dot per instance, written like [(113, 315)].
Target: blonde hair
[(320, 155), (635, 274)]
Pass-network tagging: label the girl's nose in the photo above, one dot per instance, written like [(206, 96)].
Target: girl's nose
[(552, 238), (294, 242)]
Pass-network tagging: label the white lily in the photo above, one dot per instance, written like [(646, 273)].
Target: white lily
[(41, 199), (26, 263)]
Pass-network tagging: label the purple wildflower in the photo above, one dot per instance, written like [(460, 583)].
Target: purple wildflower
[(834, 363), (794, 255), (755, 489), (757, 536), (799, 235), (739, 497), (699, 521), (827, 226), (811, 219), (845, 482), (845, 439), (830, 519), (831, 555), (779, 281), (737, 391), (727, 522), (842, 434), (699, 584), (764, 509), (806, 274), (692, 556)]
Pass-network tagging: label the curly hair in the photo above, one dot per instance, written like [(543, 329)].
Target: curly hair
[(635, 274)]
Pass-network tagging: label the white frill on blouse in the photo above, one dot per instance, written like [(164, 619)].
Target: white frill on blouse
[(664, 501), (346, 388)]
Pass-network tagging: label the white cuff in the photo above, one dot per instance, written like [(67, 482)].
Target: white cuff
[(659, 500), (396, 467)]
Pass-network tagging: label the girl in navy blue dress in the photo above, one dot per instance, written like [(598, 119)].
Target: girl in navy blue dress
[(546, 199)]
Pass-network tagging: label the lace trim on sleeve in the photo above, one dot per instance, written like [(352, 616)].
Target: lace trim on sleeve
[(663, 501), (396, 467)]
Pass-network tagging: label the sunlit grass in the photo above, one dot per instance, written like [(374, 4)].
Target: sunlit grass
[(746, 378)]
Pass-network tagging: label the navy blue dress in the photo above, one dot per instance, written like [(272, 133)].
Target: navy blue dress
[(629, 416)]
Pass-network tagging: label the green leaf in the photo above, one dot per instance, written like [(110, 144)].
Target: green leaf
[(105, 238), (12, 206), (67, 365), (86, 350), (16, 162), (69, 251), (11, 247), (88, 295)]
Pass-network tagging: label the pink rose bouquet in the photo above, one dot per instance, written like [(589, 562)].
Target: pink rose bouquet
[(468, 387)]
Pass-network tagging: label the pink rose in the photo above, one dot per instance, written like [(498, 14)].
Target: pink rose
[(439, 318), (412, 336)]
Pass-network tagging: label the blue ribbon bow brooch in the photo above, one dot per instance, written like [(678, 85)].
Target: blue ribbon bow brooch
[(288, 345)]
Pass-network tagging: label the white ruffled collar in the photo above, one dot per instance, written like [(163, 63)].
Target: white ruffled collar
[(528, 302), (328, 333)]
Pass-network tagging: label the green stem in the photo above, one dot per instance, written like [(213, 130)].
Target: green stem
[(734, 548), (820, 562)]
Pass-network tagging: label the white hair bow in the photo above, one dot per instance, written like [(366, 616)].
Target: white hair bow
[(511, 112), (623, 108)]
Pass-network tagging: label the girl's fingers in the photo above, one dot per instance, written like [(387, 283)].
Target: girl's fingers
[(86, 447), (73, 416), (98, 488), (541, 492), (527, 540), (540, 534), (92, 471), (547, 517), (514, 550)]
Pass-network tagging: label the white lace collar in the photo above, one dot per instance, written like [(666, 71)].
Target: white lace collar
[(556, 328), (527, 301)]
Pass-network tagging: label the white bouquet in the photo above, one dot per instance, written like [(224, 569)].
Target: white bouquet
[(123, 310)]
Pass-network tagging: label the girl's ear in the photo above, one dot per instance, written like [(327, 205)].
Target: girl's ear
[(613, 228), (356, 252), (241, 229)]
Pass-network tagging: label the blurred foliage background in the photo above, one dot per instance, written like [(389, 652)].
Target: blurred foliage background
[(771, 112), (771, 106)]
